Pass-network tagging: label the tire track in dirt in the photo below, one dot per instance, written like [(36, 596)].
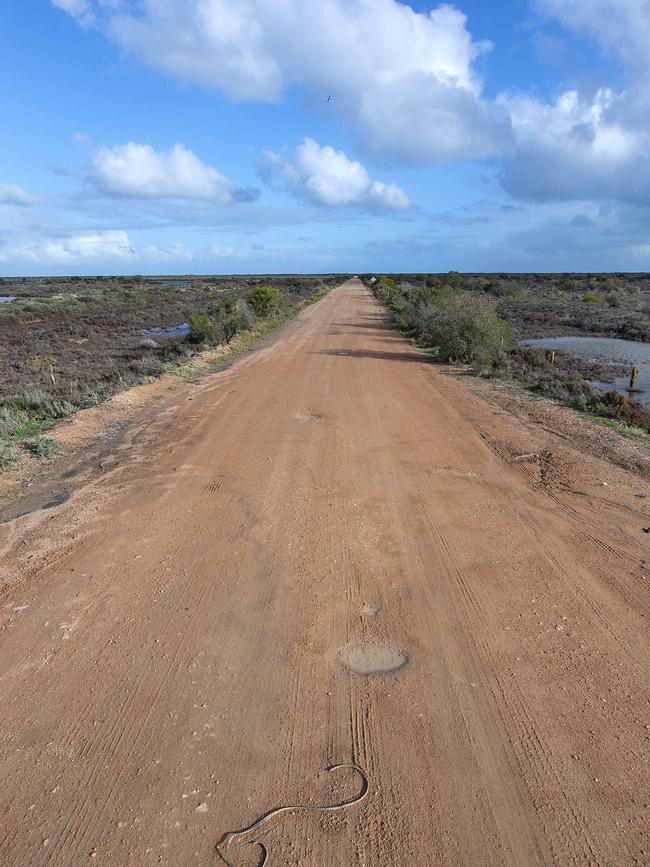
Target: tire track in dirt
[(178, 670)]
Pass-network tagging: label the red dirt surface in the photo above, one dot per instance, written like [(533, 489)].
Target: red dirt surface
[(173, 637)]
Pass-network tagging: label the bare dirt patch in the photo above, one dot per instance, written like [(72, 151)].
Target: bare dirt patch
[(372, 659)]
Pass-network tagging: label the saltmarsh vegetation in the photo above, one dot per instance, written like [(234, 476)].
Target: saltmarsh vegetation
[(265, 300), (456, 319), (43, 447), (555, 379), (71, 343), (452, 324), (201, 328)]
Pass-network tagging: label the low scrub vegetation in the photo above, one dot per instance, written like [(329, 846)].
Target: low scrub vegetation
[(457, 318), (201, 328), (265, 300), (43, 447), (451, 323), (9, 454), (71, 343), (549, 305), (226, 319), (534, 369)]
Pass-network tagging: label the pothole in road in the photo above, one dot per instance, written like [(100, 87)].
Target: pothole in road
[(372, 659)]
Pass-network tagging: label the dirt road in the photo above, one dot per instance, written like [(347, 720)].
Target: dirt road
[(175, 637)]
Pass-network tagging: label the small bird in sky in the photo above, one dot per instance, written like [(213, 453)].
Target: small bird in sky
[(329, 98)]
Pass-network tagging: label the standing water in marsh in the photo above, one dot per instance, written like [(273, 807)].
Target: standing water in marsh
[(172, 331), (608, 350)]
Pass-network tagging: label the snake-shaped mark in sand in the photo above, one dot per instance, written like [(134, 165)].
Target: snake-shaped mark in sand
[(228, 838)]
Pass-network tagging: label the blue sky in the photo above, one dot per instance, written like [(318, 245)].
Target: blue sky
[(196, 136)]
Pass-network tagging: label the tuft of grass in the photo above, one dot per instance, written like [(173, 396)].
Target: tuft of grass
[(26, 416), (9, 455), (43, 447), (630, 431)]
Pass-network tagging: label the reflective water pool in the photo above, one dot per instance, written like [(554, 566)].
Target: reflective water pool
[(608, 350), (172, 331)]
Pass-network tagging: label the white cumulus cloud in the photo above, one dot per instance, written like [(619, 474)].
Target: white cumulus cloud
[(406, 83), (405, 79), (81, 10), (326, 176), (620, 26), (12, 194), (174, 253), (138, 171), (585, 144), (577, 148), (74, 248)]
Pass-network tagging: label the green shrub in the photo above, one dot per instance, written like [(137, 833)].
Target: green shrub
[(40, 405), (454, 324), (484, 284), (232, 324), (229, 317), (591, 299), (201, 329), (615, 405), (468, 329), (246, 315), (43, 447), (29, 414), (386, 290), (458, 326), (11, 420), (454, 278), (147, 366), (264, 300), (510, 290), (9, 455)]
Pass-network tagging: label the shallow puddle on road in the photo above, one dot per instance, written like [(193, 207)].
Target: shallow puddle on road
[(372, 659), (57, 500)]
